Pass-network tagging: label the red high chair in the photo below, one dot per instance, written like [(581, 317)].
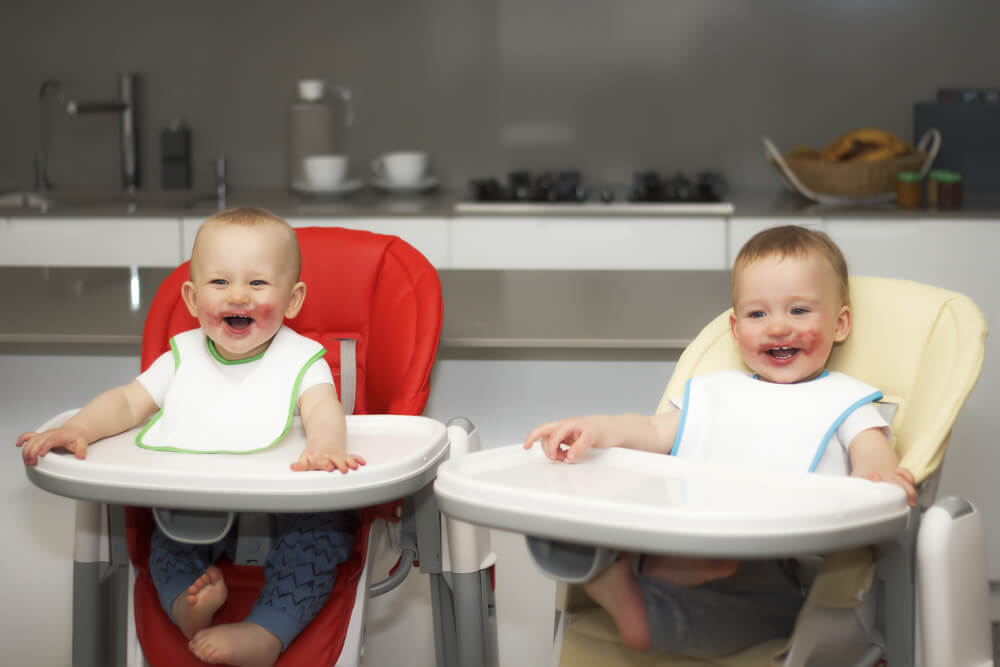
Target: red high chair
[(372, 289)]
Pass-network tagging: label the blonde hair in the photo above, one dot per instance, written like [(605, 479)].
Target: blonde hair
[(792, 241), (250, 216)]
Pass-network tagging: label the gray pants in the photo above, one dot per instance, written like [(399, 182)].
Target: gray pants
[(758, 603)]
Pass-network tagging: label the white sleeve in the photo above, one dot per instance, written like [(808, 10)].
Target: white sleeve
[(317, 373), (862, 419), (157, 378)]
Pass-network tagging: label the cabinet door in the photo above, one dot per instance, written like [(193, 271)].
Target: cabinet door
[(428, 235), (961, 255), (588, 243), (125, 241), (741, 229)]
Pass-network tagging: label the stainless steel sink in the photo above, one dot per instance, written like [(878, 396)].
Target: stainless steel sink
[(23, 200), (110, 202)]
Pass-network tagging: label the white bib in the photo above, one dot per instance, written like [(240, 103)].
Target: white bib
[(737, 419), (207, 412)]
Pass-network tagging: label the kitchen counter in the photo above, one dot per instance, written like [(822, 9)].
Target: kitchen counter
[(487, 314), (442, 203)]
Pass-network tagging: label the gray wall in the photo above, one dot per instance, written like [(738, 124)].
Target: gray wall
[(487, 85)]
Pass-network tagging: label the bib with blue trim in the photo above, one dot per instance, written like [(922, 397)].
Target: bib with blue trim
[(734, 418), (205, 411)]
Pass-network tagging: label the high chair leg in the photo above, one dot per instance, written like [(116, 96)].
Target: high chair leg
[(100, 586)]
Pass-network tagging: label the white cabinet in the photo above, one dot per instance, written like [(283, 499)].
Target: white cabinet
[(741, 229), (624, 242), (125, 241), (428, 235)]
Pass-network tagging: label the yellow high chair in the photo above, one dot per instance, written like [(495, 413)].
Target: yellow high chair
[(923, 347)]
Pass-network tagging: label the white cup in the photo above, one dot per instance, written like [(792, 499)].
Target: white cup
[(401, 168), (325, 171), (311, 90)]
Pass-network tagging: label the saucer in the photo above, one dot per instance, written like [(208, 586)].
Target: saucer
[(345, 187), (426, 183)]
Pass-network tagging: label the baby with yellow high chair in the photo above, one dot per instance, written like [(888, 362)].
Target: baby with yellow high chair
[(791, 305), (231, 386)]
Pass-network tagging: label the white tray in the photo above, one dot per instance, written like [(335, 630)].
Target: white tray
[(653, 503), (402, 454)]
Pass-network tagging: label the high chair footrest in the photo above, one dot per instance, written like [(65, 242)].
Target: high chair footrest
[(565, 561), (192, 526)]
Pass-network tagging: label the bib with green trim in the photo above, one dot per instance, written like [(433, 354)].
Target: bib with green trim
[(207, 412)]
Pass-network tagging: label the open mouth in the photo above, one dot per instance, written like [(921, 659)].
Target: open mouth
[(783, 353), (238, 322)]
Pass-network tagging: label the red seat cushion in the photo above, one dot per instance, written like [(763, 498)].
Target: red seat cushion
[(373, 288)]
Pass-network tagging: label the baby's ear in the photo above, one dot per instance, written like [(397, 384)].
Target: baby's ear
[(187, 294), (298, 298), (844, 320)]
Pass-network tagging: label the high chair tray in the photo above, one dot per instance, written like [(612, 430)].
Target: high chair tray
[(653, 503), (402, 452)]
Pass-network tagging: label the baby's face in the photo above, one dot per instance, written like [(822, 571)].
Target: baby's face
[(787, 316), (243, 286)]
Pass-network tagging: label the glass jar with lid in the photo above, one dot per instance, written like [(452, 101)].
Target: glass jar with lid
[(909, 188), (949, 189)]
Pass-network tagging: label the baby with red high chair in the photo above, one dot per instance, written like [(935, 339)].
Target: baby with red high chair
[(231, 386), (791, 305)]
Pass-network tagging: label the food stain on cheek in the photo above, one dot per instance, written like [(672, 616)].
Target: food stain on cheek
[(808, 340), (262, 313)]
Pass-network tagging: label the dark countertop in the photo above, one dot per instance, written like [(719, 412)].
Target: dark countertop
[(441, 203), (487, 314)]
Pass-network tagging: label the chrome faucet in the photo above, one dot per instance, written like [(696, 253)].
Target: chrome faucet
[(221, 186), (125, 106)]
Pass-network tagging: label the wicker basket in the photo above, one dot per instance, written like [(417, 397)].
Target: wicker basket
[(853, 179)]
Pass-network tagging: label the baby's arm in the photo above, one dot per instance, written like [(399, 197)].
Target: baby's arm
[(112, 412), (872, 457), (326, 432), (651, 434)]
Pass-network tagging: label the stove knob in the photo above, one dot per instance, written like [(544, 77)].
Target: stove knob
[(607, 195)]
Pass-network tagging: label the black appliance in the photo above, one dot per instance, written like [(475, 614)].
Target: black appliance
[(569, 187)]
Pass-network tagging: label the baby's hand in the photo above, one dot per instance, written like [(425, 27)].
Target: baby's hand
[(901, 477), (328, 460), (578, 434), (34, 445)]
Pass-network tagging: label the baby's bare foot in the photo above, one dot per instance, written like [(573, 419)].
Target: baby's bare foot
[(243, 644), (194, 608), (617, 591)]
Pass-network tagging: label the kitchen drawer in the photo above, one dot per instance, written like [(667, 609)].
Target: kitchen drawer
[(588, 243), (152, 242), (741, 229), (428, 235)]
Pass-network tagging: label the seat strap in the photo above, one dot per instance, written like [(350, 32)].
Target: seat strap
[(348, 374)]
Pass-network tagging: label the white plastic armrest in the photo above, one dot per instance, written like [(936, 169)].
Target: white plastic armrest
[(90, 533), (466, 547), (953, 586)]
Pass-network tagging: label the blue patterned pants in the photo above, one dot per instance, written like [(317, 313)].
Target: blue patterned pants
[(298, 575)]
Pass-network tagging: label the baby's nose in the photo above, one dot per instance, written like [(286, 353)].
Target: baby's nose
[(777, 324), (239, 294)]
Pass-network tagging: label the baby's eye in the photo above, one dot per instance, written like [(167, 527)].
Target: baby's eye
[(257, 283), (755, 314), (799, 311), (218, 281)]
